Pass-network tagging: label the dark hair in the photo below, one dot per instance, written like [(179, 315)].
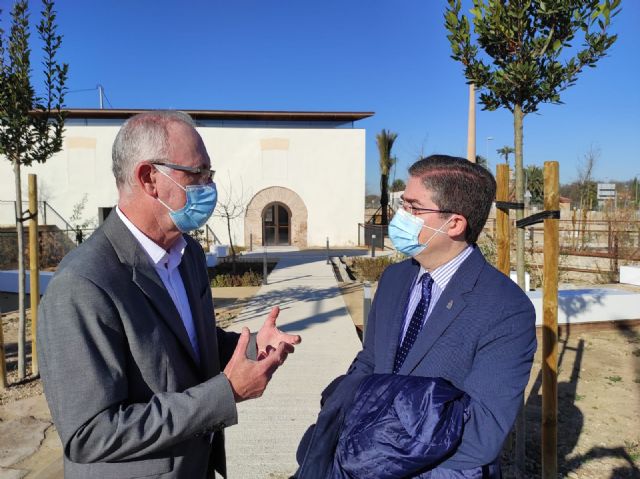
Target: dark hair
[(460, 186)]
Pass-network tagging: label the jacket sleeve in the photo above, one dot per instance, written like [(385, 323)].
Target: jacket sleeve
[(82, 347), (496, 386)]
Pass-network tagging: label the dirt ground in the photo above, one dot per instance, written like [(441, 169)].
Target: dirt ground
[(598, 389), (598, 401)]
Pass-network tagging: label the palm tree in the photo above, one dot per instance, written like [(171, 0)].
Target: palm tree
[(385, 140), (482, 161), (505, 151)]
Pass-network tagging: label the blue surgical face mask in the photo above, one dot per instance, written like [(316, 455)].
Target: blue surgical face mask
[(404, 230), (201, 201)]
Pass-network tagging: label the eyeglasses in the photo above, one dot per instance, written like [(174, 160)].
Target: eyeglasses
[(204, 173), (419, 211)]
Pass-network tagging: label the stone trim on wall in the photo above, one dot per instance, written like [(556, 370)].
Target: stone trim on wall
[(253, 215)]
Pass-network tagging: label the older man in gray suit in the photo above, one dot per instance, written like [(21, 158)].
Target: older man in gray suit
[(139, 380)]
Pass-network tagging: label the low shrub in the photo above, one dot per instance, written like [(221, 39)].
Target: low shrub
[(243, 273), (249, 278), (370, 269)]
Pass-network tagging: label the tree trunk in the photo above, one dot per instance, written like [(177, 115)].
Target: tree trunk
[(384, 198), (517, 124), (22, 356), (518, 117), (233, 250)]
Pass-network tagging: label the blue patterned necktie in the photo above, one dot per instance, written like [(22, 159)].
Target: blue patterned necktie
[(415, 325)]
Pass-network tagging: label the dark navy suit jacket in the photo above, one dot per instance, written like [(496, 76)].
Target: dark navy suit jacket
[(480, 336)]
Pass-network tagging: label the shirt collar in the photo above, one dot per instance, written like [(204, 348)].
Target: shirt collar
[(158, 255), (443, 273)]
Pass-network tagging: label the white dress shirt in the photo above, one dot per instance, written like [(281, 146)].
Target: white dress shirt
[(166, 264)]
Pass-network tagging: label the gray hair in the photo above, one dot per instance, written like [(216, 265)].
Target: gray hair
[(143, 137)]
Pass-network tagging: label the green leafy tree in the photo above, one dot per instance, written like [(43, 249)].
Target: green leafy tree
[(385, 140), (31, 124), (527, 60), (505, 151), (398, 185)]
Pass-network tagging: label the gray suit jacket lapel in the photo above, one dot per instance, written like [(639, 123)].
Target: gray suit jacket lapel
[(146, 278), (449, 306), (202, 323)]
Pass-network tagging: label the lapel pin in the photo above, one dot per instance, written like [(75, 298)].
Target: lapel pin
[(450, 304)]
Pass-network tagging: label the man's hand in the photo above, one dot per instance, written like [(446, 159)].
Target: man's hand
[(269, 337), (249, 378)]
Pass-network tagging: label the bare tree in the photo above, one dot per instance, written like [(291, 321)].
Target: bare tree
[(231, 205), (587, 189), (585, 177)]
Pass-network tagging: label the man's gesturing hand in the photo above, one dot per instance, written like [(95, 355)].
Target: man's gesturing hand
[(269, 336), (249, 378)]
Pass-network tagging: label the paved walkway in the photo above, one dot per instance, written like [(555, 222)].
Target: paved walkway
[(264, 442)]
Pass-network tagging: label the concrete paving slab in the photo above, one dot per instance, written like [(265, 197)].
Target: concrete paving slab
[(34, 406), (7, 473), (21, 438), (264, 443)]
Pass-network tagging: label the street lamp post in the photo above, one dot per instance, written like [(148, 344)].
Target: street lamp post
[(489, 138)]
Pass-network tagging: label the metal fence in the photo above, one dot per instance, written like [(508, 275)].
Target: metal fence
[(590, 250), (369, 234)]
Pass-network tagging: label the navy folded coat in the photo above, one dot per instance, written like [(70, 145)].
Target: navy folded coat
[(387, 426)]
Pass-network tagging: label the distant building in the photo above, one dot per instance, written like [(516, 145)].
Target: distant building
[(301, 174)]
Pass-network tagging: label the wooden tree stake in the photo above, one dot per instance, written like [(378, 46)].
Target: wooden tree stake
[(502, 220), (550, 326)]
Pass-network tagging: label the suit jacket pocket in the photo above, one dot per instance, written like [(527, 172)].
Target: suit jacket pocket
[(129, 469)]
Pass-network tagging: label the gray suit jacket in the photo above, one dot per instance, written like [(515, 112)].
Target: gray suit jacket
[(126, 392)]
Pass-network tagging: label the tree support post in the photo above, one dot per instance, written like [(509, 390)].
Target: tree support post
[(503, 242), (34, 268), (328, 259), (3, 364), (366, 306), (550, 325), (264, 265)]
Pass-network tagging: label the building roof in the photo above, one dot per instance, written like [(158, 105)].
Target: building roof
[(342, 116)]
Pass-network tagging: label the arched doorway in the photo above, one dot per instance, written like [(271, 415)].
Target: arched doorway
[(276, 225), (294, 205)]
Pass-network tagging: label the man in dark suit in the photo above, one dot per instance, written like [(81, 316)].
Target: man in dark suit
[(447, 313), (139, 380)]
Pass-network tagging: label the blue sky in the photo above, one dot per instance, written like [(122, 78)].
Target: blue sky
[(390, 57)]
